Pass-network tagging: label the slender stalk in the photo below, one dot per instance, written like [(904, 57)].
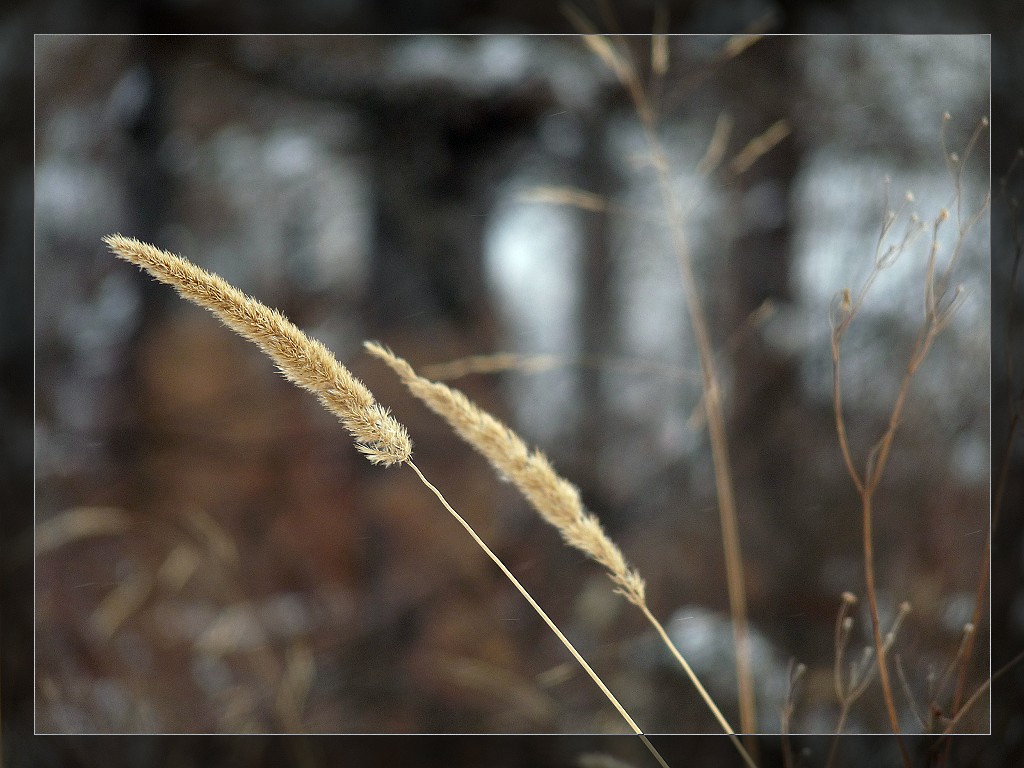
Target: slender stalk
[(540, 612), (697, 684), (618, 61), (866, 486), (1016, 405), (735, 582), (877, 461), (794, 675), (951, 725), (529, 598), (876, 630), (938, 311), (862, 673)]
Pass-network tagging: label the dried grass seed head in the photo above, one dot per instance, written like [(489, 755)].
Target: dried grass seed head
[(302, 360), (552, 496)]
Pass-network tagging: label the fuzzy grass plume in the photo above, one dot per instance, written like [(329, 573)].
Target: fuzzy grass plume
[(555, 498), (302, 360)]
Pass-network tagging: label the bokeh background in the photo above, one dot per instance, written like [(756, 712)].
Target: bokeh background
[(214, 556)]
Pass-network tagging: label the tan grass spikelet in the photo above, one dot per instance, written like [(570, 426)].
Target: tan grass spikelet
[(555, 499), (300, 358)]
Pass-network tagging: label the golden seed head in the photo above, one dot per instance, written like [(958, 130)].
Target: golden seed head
[(304, 361), (552, 496)]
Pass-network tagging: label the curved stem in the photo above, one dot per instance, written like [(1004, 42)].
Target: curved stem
[(840, 724), (698, 685), (735, 582), (880, 649), (540, 612), (837, 406)]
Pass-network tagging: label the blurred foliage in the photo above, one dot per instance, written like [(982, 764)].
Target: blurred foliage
[(271, 581)]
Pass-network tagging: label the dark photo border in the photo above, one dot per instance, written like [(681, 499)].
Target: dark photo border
[(1005, 747)]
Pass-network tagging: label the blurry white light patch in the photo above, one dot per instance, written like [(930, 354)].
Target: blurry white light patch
[(532, 255), (489, 62), (705, 639), (71, 196), (971, 458), (957, 611), (502, 58), (424, 56), (290, 154)]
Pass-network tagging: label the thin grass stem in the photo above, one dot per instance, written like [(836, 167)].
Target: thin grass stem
[(701, 690), (529, 598)]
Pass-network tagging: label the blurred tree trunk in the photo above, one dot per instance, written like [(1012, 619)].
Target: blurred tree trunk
[(765, 445), (436, 166), (597, 317), (139, 107)]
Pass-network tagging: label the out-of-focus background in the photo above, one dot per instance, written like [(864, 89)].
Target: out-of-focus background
[(214, 556), (20, 747)]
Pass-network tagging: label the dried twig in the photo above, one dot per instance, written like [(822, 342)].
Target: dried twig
[(713, 408), (939, 308)]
